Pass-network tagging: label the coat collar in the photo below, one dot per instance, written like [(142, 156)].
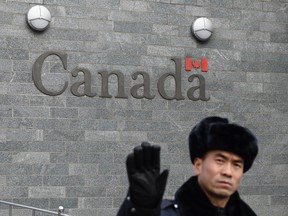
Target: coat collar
[(192, 199)]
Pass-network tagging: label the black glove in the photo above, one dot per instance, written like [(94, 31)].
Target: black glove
[(146, 184)]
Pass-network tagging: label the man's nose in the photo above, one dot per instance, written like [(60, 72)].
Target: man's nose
[(227, 170)]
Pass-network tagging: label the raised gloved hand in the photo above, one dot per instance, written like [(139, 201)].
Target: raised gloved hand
[(146, 184)]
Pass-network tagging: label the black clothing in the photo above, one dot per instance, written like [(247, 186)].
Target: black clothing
[(190, 200)]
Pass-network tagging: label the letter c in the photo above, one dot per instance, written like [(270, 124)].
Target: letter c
[(37, 68)]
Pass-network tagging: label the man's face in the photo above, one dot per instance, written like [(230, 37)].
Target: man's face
[(219, 173)]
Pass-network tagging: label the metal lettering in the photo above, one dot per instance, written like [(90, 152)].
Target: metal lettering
[(201, 88), (177, 77), (138, 91), (37, 68), (86, 82), (121, 87), (146, 86)]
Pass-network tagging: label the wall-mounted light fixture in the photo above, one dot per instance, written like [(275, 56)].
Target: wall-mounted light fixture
[(202, 29), (38, 18)]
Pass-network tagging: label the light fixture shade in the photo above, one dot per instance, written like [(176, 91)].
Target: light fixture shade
[(38, 18), (202, 29)]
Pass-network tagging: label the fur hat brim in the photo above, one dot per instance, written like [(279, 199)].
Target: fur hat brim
[(215, 133)]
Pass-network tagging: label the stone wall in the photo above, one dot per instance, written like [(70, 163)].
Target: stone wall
[(70, 151)]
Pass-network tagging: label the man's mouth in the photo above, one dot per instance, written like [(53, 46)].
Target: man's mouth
[(225, 183)]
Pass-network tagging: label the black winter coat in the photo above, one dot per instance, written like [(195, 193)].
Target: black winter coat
[(190, 200)]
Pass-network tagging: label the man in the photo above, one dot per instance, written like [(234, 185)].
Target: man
[(221, 153)]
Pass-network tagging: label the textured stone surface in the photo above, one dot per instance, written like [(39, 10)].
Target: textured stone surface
[(71, 151)]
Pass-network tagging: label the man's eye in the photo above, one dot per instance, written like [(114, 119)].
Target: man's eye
[(219, 160), (238, 165)]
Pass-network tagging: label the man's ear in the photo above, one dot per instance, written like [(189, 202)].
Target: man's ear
[(197, 165)]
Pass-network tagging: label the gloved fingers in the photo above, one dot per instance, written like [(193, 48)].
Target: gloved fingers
[(155, 160), (139, 158), (162, 180), (147, 155), (130, 164), (144, 157)]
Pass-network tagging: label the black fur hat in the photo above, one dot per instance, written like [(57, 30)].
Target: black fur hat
[(216, 133)]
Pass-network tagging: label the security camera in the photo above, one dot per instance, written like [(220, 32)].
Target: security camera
[(38, 18), (202, 29)]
